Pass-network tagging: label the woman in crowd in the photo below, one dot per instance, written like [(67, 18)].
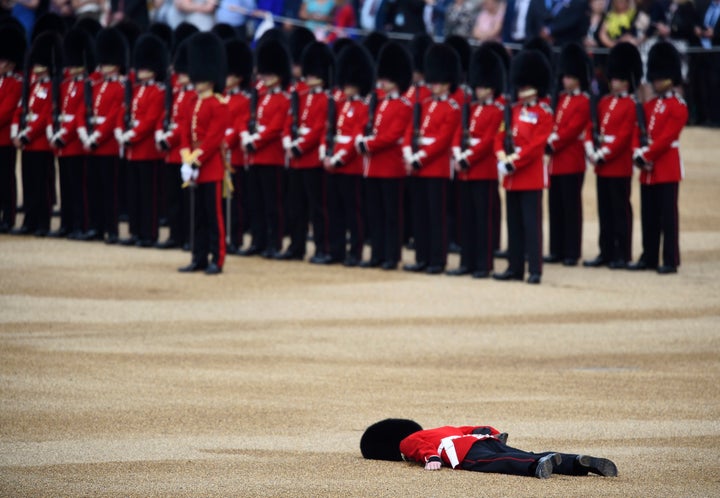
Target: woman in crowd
[(488, 24)]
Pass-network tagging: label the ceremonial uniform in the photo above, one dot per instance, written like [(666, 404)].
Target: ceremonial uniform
[(239, 111), (11, 90)]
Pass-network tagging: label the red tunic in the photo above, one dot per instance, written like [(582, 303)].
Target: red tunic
[(532, 125), (11, 91), (208, 121), (393, 116), (449, 443), (311, 128), (665, 116), (108, 97), (72, 108), (272, 111), (572, 118), (147, 114), (183, 104), (485, 121), (618, 127), (39, 116), (239, 109), (352, 117)]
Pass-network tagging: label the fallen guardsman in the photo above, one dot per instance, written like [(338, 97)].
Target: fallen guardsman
[(478, 448)]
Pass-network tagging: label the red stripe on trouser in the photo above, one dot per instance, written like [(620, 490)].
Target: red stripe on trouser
[(220, 224)]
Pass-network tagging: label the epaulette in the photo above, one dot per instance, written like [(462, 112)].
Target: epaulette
[(405, 100), (499, 105), (453, 103), (546, 107), (221, 98), (681, 100)]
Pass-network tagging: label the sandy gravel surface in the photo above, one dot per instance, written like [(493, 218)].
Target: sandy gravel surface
[(121, 377)]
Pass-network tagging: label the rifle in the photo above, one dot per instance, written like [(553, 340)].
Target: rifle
[(594, 121), (25, 98), (167, 121), (252, 122), (294, 113), (372, 109), (640, 115), (88, 97), (417, 118), (465, 123), (127, 118), (331, 130), (55, 94), (508, 143)]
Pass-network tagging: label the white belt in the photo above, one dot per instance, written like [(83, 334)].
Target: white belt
[(261, 128), (608, 139), (427, 140), (343, 139), (303, 130), (474, 141), (98, 120), (675, 144), (66, 118), (447, 444), (31, 117)]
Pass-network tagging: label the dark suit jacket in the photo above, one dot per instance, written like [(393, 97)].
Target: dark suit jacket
[(570, 24), (533, 24)]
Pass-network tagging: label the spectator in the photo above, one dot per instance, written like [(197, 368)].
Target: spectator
[(406, 16), (25, 11), (317, 13), (709, 34), (619, 24), (228, 13), (88, 8), (460, 18), (523, 20), (489, 22), (344, 18), (133, 10), (567, 23), (200, 13), (595, 21), (438, 12), (370, 12)]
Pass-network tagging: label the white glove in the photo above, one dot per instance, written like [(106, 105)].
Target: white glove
[(589, 150), (186, 172), (287, 143), (14, 131), (457, 154), (501, 169), (321, 151), (195, 173), (92, 139), (248, 140), (159, 136), (49, 133), (407, 154), (117, 133), (554, 137), (127, 136), (58, 136), (600, 154), (361, 144)]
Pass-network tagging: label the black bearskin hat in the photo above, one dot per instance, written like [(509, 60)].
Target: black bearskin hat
[(394, 64), (487, 70), (442, 65), (575, 62), (12, 21), (418, 47), (239, 60), (164, 32), (12, 45), (276, 34), (319, 61), (624, 63), (79, 50), (500, 51), (46, 51), (224, 31), (151, 53), (180, 62), (664, 63), (374, 42), (530, 68), (130, 30), (542, 45), (381, 441), (273, 58), (111, 48), (207, 60), (339, 44), (182, 32), (462, 47), (300, 37), (355, 68), (89, 25), (49, 21)]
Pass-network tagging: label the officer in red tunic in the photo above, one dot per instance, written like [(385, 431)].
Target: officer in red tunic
[(385, 168), (29, 132), (661, 167), (12, 55), (427, 152), (479, 448), (523, 168), (265, 150), (79, 59), (476, 166), (343, 163), (202, 150), (567, 157), (97, 131), (613, 160), (138, 140)]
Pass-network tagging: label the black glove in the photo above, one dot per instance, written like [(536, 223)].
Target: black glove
[(509, 167), (416, 165), (549, 150), (24, 140), (464, 164), (363, 148), (295, 151), (59, 143)]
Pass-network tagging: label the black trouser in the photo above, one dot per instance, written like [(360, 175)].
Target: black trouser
[(102, 174), (8, 185), (385, 213), (176, 198), (73, 193), (345, 214), (524, 226), (37, 196), (142, 199), (659, 217), (478, 214), (237, 208), (566, 216), (430, 219), (452, 218), (491, 455), (615, 217), (265, 188), (209, 224), (307, 202)]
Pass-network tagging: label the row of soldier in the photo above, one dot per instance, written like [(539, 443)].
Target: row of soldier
[(346, 140)]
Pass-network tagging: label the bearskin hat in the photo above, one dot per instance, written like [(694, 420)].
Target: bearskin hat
[(355, 68), (207, 60), (12, 21), (12, 45), (381, 441), (130, 30), (374, 42), (151, 53), (624, 63), (180, 60), (276, 34), (664, 63), (239, 60), (300, 37), (339, 44), (394, 64), (224, 31), (79, 49), (500, 51), (49, 21), (575, 62), (530, 67), (46, 51), (272, 57), (442, 65), (541, 45), (462, 47), (318, 60), (487, 70), (182, 32), (164, 32), (418, 47), (89, 25), (111, 48)]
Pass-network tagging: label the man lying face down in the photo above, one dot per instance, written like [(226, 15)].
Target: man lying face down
[(478, 448)]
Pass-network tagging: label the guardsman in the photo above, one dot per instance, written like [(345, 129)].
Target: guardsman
[(476, 166), (12, 56), (266, 154), (97, 132), (522, 166), (32, 125), (385, 169), (202, 151), (301, 140), (341, 160), (661, 168), (613, 157), (150, 61), (567, 157), (427, 152)]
